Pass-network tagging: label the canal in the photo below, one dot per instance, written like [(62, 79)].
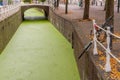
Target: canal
[(38, 51)]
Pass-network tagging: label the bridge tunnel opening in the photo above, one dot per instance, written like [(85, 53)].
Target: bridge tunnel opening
[(34, 14)]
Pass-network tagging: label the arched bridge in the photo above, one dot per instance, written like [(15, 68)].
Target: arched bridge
[(28, 6)]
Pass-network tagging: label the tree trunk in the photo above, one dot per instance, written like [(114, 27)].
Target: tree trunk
[(105, 5), (93, 2), (118, 6), (55, 4), (86, 9), (66, 7), (58, 3), (110, 12)]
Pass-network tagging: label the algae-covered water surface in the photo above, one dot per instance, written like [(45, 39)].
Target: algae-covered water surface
[(37, 51)]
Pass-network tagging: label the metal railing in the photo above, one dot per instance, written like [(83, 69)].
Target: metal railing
[(8, 10), (107, 49)]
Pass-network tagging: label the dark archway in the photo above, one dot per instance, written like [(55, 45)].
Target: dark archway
[(28, 6)]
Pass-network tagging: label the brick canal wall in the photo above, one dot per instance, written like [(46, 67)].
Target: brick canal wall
[(76, 33), (8, 26)]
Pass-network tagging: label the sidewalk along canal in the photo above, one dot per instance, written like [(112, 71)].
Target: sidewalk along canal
[(37, 51)]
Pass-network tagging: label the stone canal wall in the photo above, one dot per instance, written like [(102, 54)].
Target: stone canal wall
[(62, 24), (8, 26), (74, 33)]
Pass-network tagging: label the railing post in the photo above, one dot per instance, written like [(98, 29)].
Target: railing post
[(107, 65), (3, 12), (0, 13), (7, 10), (94, 39)]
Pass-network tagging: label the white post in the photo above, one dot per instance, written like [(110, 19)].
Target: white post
[(94, 39), (8, 9), (0, 13), (3, 11), (107, 65)]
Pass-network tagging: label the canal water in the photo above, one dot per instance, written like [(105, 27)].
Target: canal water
[(37, 51)]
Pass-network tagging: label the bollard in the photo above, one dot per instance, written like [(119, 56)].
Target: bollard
[(0, 13), (2, 16), (3, 12), (94, 39), (107, 65), (7, 11)]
